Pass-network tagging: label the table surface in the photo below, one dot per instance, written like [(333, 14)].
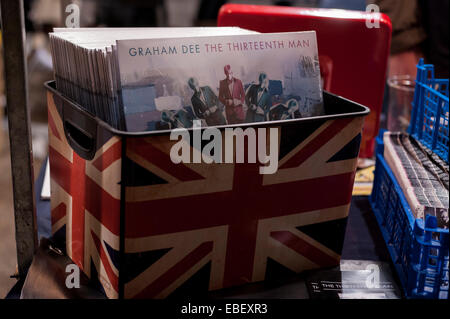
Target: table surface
[(363, 242)]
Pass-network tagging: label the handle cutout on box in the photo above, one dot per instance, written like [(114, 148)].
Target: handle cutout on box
[(82, 139)]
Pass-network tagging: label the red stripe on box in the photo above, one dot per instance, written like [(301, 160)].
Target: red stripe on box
[(52, 125), (304, 248), (176, 271), (185, 213), (109, 271), (58, 212), (162, 160), (77, 182), (318, 142), (111, 155)]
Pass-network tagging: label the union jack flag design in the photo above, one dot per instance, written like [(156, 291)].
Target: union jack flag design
[(224, 221)]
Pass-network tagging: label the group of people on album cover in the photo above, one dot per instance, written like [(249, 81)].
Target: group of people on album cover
[(257, 98)]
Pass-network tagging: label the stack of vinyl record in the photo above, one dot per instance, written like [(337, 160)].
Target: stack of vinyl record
[(86, 67), (148, 79), (422, 175)]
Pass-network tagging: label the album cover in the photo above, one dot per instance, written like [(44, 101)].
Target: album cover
[(220, 80)]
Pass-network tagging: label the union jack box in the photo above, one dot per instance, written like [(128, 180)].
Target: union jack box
[(141, 226)]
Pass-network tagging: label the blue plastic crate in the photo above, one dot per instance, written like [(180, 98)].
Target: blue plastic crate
[(419, 250), (429, 118)]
